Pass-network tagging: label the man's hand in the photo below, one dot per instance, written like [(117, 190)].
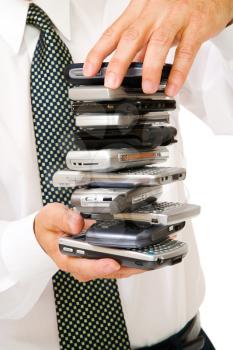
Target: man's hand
[(55, 220), (146, 31)]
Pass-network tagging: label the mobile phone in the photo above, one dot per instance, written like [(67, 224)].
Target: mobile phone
[(128, 234), (154, 213), (167, 252), (137, 136), (102, 93), (113, 200), (133, 77), (137, 106), (102, 120), (146, 176), (114, 159), (164, 213)]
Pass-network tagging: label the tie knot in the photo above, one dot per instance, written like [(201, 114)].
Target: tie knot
[(38, 18)]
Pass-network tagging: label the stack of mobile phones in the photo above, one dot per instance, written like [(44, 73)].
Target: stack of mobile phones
[(121, 136)]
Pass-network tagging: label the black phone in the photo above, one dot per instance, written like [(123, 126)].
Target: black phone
[(165, 253), (139, 137), (135, 107), (129, 234), (133, 78)]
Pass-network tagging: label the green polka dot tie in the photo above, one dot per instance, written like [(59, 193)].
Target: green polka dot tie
[(89, 315)]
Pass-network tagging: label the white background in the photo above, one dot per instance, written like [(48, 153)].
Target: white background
[(210, 184)]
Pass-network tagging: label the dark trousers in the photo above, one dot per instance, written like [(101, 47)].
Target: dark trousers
[(173, 343), (208, 344)]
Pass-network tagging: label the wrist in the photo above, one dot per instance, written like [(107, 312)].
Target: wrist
[(35, 229)]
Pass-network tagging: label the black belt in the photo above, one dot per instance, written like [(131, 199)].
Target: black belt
[(188, 338)]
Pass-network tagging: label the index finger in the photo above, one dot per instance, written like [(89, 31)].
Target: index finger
[(110, 38)]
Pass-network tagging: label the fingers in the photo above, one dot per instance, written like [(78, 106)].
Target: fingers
[(132, 40), (125, 272), (89, 269), (184, 57), (110, 38), (146, 31), (104, 271), (104, 46)]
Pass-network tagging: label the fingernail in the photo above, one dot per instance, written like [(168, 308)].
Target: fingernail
[(171, 90), (88, 69), (149, 87), (111, 80), (109, 268)]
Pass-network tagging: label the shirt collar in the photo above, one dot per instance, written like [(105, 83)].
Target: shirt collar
[(13, 14)]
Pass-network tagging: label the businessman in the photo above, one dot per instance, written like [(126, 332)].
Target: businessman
[(49, 301)]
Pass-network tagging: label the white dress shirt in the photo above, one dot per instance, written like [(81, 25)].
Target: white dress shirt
[(156, 304)]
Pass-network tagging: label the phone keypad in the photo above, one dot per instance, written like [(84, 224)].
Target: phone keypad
[(160, 248), (159, 208)]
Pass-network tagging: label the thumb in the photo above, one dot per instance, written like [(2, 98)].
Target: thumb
[(60, 218), (73, 221)]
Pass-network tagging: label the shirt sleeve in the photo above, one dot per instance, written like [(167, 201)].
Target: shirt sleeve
[(208, 91), (25, 269)]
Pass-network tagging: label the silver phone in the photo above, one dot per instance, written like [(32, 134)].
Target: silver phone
[(102, 120), (164, 213), (102, 93), (167, 252), (146, 176), (114, 159), (113, 200)]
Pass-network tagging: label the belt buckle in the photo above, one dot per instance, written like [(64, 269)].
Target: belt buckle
[(196, 344)]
